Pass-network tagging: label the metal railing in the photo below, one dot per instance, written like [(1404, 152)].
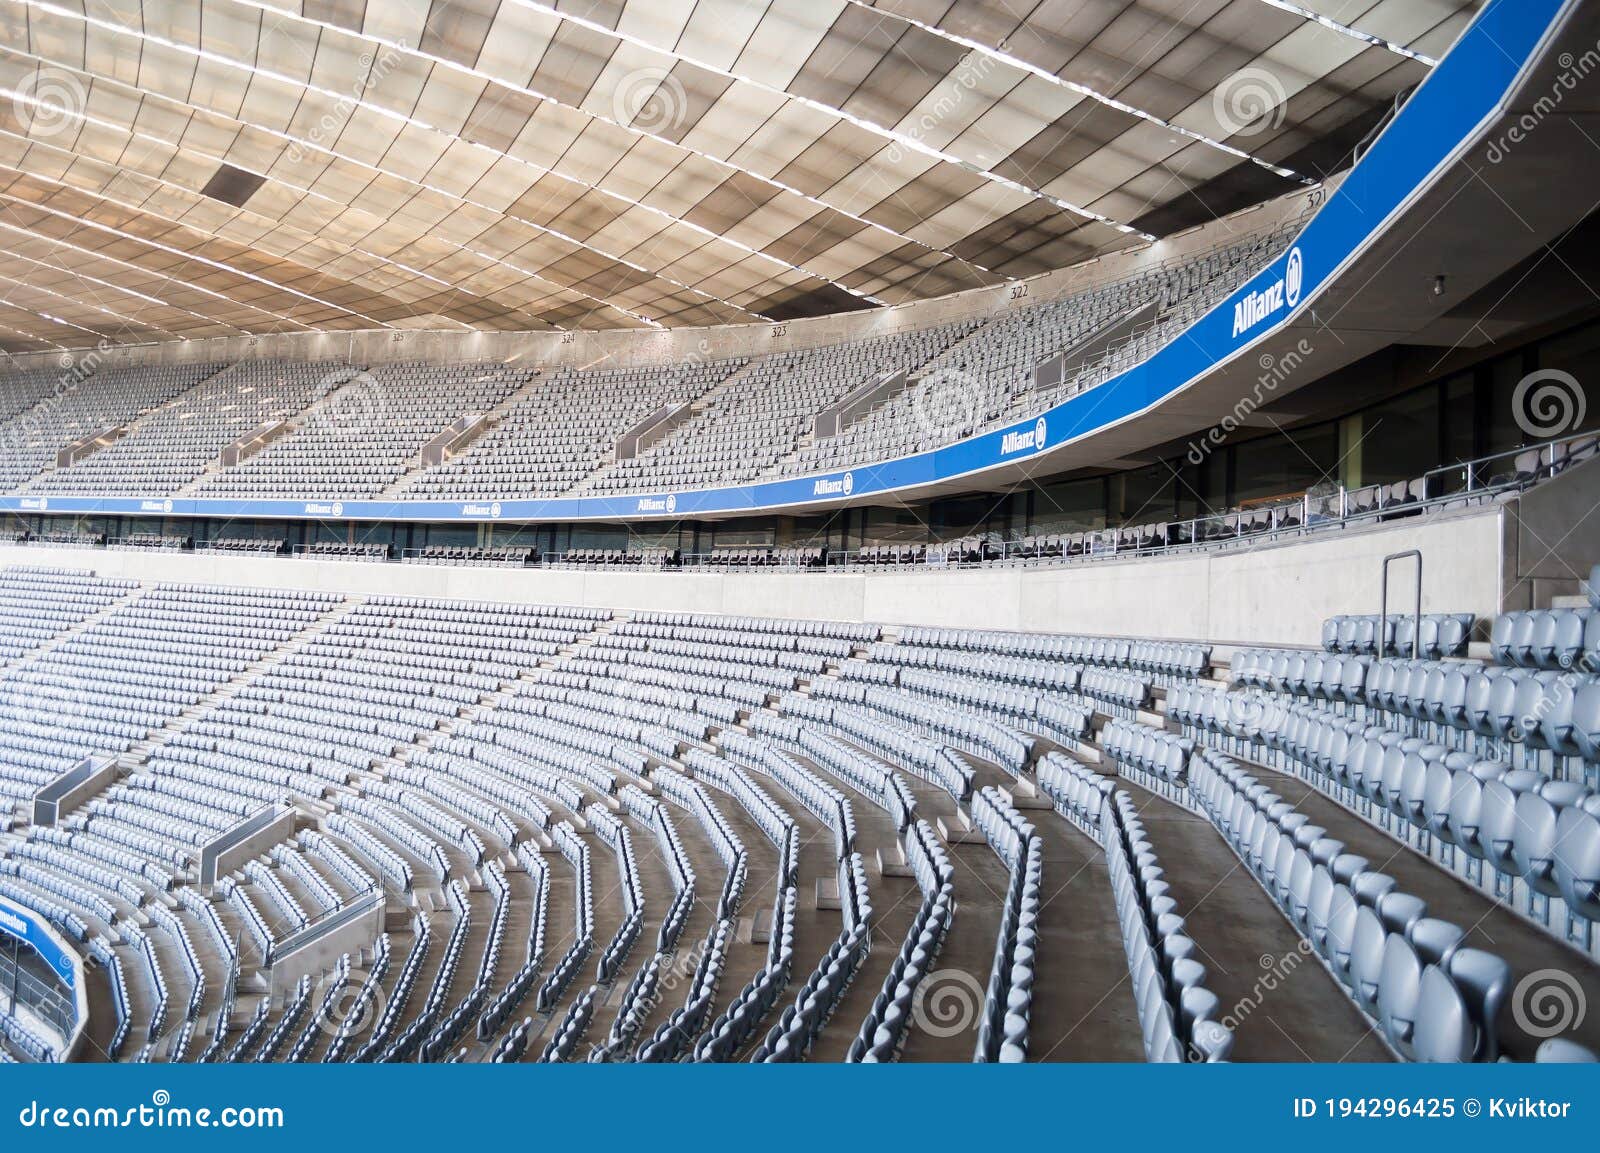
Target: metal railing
[(45, 1001), (1456, 484), (1477, 480), (326, 922), (1383, 600)]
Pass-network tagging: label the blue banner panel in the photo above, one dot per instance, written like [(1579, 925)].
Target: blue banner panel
[(25, 926), (799, 1107)]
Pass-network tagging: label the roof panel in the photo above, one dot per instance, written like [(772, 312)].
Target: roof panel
[(630, 148)]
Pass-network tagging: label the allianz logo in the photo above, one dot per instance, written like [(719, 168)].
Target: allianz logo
[(155, 506), (320, 508), (1254, 307), (658, 504), (489, 510), (1024, 439), (834, 486), (35, 503)]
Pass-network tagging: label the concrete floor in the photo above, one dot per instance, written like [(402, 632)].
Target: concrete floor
[(1283, 1004), (1490, 926), (1083, 1003)]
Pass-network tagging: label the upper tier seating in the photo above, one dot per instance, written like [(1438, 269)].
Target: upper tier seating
[(356, 434), (990, 378), (561, 430), (83, 407), (20, 391), (766, 409), (363, 435), (172, 446)]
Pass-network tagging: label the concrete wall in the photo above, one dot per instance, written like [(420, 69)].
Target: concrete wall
[(234, 848), (1279, 593), (1551, 538)]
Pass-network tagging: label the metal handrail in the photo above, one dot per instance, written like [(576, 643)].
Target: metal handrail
[(1383, 603)]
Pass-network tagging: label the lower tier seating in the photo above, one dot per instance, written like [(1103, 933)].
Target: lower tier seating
[(551, 833)]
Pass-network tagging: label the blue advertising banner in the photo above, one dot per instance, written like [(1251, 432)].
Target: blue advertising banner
[(809, 1107), (25, 926), (1440, 118)]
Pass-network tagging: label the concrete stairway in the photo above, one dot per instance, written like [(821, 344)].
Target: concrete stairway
[(140, 753), (697, 409), (414, 466)]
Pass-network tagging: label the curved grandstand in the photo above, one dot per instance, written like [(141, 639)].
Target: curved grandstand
[(913, 647)]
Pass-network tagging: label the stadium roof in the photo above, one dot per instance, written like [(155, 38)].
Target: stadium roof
[(174, 169)]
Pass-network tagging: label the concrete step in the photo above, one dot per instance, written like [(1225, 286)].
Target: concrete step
[(414, 467), (32, 655), (251, 673)]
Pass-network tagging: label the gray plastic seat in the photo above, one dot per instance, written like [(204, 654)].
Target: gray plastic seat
[(1484, 981), (1575, 864), (1500, 638), (1365, 977), (1400, 911), (1444, 1031), (1435, 940), (1586, 720), (1533, 844), (1560, 1051), (1343, 914), (1399, 991)]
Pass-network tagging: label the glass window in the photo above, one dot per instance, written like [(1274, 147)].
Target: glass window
[(1070, 506)]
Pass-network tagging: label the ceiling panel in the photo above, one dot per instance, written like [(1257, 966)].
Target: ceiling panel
[(530, 163)]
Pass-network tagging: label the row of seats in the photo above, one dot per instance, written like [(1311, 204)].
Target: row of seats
[(1556, 638), (503, 556), (1156, 758), (1433, 635), (1432, 997), (1539, 837), (884, 1030), (1542, 718), (1179, 1018), (1003, 1028), (991, 376)]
